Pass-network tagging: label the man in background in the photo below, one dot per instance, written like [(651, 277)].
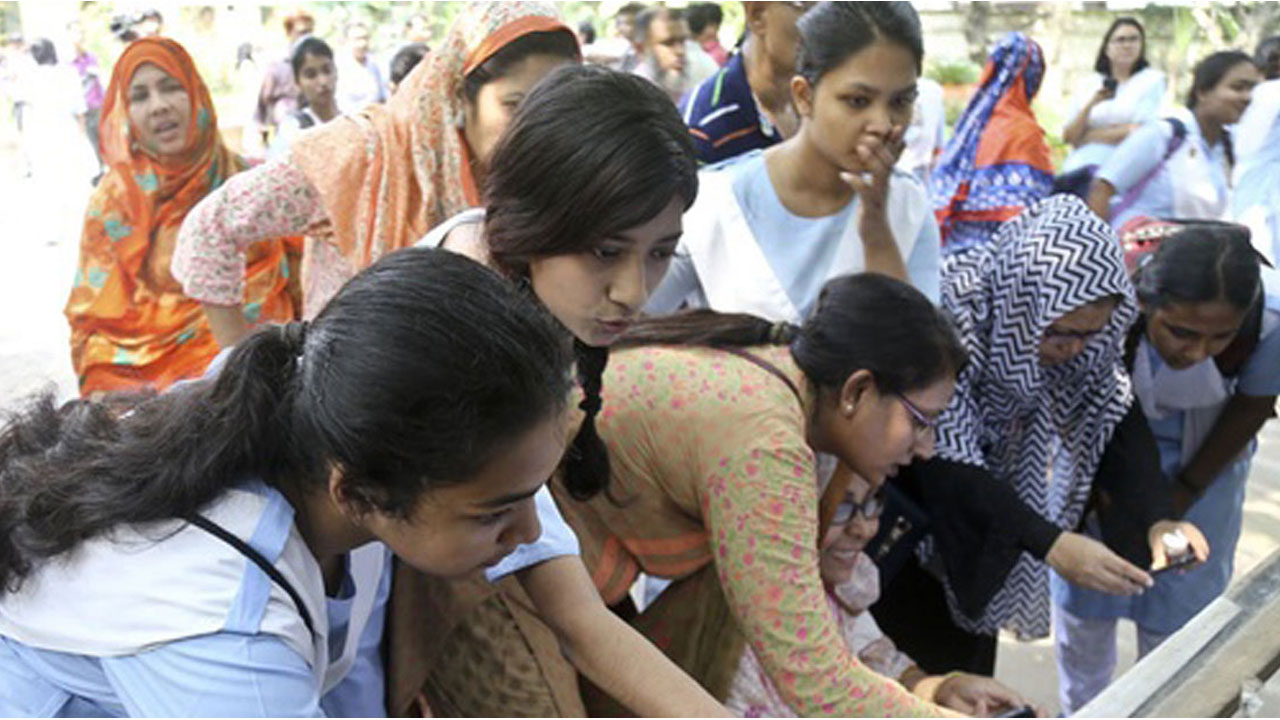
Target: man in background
[(618, 52), (86, 66), (704, 25), (360, 81), (662, 36), (747, 104)]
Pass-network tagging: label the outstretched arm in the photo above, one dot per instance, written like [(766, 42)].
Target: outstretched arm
[(607, 650)]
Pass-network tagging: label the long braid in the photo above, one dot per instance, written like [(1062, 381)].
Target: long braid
[(586, 465)]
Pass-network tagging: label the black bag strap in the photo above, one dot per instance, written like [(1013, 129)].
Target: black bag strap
[(243, 548), (767, 366)]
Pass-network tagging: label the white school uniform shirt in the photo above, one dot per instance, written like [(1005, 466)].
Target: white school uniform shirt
[(721, 265), (557, 538), (143, 587), (1137, 100), (1192, 184), (1256, 198)]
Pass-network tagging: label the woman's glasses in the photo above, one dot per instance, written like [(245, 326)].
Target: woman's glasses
[(920, 422), (870, 507)]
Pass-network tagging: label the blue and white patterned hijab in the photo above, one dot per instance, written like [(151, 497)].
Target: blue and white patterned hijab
[(1009, 414)]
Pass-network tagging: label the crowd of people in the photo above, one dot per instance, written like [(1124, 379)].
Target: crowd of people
[(563, 376)]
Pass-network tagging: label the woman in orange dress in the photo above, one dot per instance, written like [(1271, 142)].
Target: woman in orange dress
[(372, 182), (131, 326)]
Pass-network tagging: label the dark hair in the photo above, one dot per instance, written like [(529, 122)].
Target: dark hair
[(421, 370), (43, 52), (587, 32), (1203, 262), (1210, 71), (832, 32), (406, 59), (308, 45), (866, 321), (1103, 64), (1265, 56), (700, 15), (646, 18), (559, 43), (562, 179), (631, 8)]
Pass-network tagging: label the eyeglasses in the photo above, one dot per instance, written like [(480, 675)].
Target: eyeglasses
[(920, 422), (870, 508), (1053, 333)]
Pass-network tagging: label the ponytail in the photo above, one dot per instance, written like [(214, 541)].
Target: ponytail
[(865, 321), (707, 328), (72, 473), (420, 371)]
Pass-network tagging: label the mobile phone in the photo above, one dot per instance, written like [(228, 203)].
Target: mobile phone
[(1024, 711), (1109, 84), (1181, 561)]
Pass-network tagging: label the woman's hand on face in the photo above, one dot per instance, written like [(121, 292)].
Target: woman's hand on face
[(978, 696), (1088, 563), (1196, 539), (878, 157)]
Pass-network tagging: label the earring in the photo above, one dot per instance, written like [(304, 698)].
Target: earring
[(848, 409)]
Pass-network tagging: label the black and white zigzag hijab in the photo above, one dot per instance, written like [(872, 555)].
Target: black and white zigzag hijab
[(1014, 417)]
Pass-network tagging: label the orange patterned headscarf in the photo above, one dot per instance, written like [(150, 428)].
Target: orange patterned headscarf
[(131, 325), (391, 172)]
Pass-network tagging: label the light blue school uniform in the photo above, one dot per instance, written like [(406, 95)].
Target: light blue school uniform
[(1218, 513), (196, 630), (1191, 184), (800, 253)]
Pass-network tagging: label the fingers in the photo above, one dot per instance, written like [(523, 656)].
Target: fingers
[(1159, 558), (1199, 543), (860, 182), (1131, 578)]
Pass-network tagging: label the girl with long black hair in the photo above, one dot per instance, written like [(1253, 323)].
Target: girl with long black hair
[(222, 549), (583, 202)]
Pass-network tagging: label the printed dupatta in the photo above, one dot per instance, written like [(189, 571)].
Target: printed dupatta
[(997, 162), (1016, 418), (393, 171)]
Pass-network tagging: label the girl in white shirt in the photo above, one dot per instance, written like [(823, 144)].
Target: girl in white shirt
[(1122, 93)]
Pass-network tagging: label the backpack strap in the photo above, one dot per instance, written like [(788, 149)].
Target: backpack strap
[(767, 367), (256, 557)]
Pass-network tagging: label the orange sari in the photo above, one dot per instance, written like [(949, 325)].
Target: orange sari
[(131, 326)]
